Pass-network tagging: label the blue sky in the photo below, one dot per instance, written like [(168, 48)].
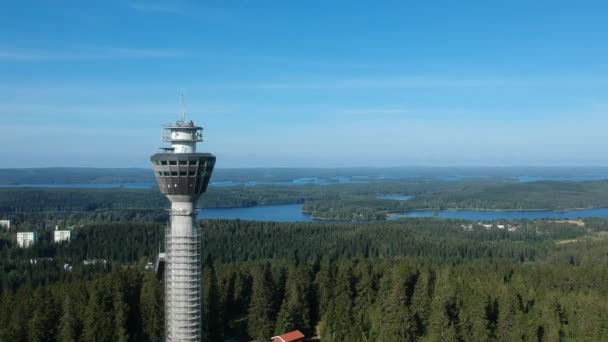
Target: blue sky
[(309, 83)]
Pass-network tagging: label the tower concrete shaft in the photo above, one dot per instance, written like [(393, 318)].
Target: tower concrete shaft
[(183, 175)]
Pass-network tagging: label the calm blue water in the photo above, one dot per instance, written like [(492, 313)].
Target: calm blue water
[(293, 213), (299, 181), (484, 215), (395, 197), (527, 179), (279, 213)]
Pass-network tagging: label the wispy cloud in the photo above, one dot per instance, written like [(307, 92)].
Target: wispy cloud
[(82, 54), (419, 82), (156, 7), (187, 9)]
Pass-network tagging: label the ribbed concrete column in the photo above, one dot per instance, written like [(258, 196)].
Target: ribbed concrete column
[(183, 275)]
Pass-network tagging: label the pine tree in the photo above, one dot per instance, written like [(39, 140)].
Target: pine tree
[(295, 311), (229, 305), (397, 323), (260, 325), (339, 321), (284, 320), (323, 284), (99, 323), (507, 310), (151, 308), (421, 302), (68, 325), (120, 306), (211, 306), (22, 313), (364, 299), (441, 320), (42, 326)]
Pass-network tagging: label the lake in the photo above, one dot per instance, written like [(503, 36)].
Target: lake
[(278, 213), (293, 213), (489, 215), (148, 185), (395, 197)]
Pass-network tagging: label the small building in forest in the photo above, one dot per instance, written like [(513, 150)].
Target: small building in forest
[(292, 336), (61, 235), (6, 224), (26, 239)]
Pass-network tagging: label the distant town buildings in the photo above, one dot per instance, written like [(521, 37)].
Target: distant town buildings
[(61, 235), (489, 226), (26, 239), (35, 261), (6, 224), (90, 262)]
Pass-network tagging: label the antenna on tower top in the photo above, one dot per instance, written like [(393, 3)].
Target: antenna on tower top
[(183, 107)]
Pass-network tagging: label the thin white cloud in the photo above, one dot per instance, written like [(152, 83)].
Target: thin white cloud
[(417, 82), (83, 54), (156, 7)]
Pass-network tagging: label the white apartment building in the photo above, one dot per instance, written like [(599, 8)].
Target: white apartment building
[(61, 236), (26, 239), (5, 224)]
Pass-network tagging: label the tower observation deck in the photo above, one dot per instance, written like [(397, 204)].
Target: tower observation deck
[(183, 175)]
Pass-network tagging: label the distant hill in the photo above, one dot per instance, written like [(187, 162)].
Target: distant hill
[(75, 175)]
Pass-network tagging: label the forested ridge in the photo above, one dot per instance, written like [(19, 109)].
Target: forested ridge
[(84, 175), (414, 280), (346, 202)]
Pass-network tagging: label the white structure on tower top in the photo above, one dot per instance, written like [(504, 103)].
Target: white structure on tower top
[(182, 135)]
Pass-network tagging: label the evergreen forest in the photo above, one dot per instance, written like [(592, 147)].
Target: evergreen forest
[(411, 280)]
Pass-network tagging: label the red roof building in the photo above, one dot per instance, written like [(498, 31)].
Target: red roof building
[(292, 336)]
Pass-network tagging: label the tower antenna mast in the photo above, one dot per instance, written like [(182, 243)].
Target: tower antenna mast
[(183, 107)]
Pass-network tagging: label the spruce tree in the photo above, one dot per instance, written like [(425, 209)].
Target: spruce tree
[(364, 299), (43, 324), (441, 320), (211, 305), (99, 323), (68, 324), (260, 324), (507, 310), (421, 301), (285, 321), (151, 309), (397, 323), (339, 321)]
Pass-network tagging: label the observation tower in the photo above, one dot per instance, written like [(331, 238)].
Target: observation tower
[(183, 175)]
